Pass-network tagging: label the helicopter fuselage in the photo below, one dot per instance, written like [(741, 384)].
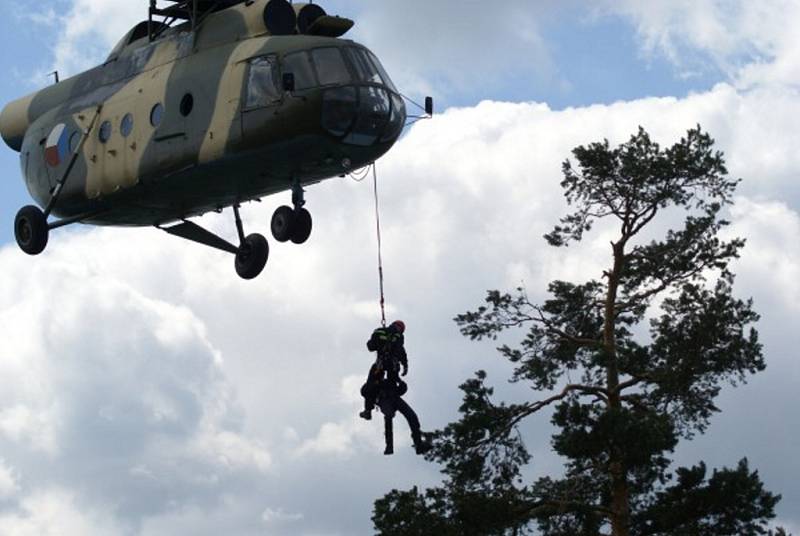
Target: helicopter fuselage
[(201, 119)]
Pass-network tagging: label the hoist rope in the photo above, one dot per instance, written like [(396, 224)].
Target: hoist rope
[(380, 258)]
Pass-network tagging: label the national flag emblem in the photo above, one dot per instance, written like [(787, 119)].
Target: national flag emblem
[(57, 146)]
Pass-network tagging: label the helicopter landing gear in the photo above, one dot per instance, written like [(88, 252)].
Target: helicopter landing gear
[(31, 230), (250, 257), (282, 224), (288, 224), (292, 224), (253, 251), (302, 226)]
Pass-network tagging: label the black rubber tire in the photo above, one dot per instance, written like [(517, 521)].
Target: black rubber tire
[(302, 226), (283, 223), (252, 256), (30, 230)]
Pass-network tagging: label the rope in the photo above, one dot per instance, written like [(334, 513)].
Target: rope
[(360, 174), (380, 258)]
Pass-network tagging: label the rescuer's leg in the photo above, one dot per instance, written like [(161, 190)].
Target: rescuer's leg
[(389, 434), (370, 393), (413, 423)]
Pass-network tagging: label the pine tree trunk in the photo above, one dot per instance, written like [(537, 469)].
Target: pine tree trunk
[(620, 503), (620, 519)]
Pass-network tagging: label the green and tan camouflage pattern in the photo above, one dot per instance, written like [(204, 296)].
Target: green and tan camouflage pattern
[(217, 156)]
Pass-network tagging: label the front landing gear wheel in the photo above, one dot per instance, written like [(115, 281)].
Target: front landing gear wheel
[(302, 226), (283, 223), (31, 230), (252, 256)]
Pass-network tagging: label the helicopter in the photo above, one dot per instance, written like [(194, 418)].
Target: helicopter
[(207, 104)]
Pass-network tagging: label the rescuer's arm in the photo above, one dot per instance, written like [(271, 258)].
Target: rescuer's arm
[(374, 342), (402, 357)]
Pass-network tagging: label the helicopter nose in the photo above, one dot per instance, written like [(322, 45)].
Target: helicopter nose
[(363, 115)]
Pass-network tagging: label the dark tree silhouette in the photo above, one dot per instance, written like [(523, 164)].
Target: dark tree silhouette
[(637, 395)]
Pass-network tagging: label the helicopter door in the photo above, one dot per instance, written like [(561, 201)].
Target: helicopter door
[(262, 93)]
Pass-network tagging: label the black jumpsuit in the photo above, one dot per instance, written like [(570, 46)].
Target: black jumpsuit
[(384, 387)]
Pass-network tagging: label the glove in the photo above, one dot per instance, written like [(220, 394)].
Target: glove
[(405, 370)]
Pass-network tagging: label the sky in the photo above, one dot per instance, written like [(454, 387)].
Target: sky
[(146, 390)]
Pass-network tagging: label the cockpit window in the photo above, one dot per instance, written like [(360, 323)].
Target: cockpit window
[(262, 82), (362, 65), (330, 65), (299, 64), (382, 71)]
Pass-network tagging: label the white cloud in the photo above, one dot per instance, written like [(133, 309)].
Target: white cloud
[(106, 376), (441, 47), (773, 251), (91, 29), (341, 439), (749, 41), (54, 512), (332, 438), (8, 481), (279, 515)]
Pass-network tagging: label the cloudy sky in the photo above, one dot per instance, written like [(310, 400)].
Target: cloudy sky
[(146, 390)]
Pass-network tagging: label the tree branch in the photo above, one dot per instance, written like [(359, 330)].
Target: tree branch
[(580, 341), (534, 407), (562, 506)]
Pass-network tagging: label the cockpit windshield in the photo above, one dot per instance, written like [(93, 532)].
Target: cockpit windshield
[(330, 66), (367, 68), (299, 64), (360, 104), (324, 66)]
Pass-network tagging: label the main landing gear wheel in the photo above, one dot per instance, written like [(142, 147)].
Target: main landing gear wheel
[(283, 223), (302, 226), (252, 256), (31, 230)]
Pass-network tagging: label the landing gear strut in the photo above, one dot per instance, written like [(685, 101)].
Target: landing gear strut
[(292, 224), (253, 252), (251, 255), (31, 228)]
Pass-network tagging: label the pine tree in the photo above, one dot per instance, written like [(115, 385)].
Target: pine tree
[(637, 395)]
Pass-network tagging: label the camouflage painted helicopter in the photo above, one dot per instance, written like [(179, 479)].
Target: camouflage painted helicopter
[(219, 103)]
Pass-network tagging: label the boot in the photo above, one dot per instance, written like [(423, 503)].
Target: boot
[(420, 446), (366, 415), (388, 451)]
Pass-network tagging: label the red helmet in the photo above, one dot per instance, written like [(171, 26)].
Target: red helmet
[(401, 326)]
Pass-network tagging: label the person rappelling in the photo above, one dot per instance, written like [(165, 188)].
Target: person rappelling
[(385, 389)]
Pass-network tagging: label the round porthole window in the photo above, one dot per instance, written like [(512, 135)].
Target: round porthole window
[(157, 114), (74, 140), (126, 126), (105, 131), (187, 104)]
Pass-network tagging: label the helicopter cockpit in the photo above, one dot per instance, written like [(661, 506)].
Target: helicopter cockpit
[(360, 103)]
